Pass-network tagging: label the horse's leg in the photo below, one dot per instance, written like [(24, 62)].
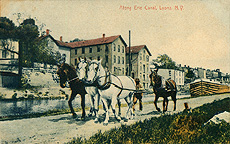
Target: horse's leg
[(113, 106), (106, 110), (173, 96), (165, 104), (129, 101), (155, 102), (83, 105), (92, 109), (73, 94), (96, 107), (119, 107)]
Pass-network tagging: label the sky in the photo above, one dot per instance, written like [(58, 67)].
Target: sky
[(195, 33)]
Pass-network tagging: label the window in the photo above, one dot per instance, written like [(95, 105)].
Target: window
[(123, 71), (140, 67), (106, 59), (140, 56), (75, 61), (12, 55), (144, 68), (123, 49), (98, 58), (90, 50), (114, 59), (75, 51), (118, 49), (98, 49), (123, 60), (106, 48), (4, 53), (147, 58), (144, 77), (83, 50), (118, 61), (114, 70), (114, 47)]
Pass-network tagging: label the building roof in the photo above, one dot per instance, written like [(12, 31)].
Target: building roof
[(136, 49), (59, 43), (98, 41)]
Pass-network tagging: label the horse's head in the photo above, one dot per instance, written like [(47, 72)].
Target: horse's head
[(95, 70), (155, 79), (82, 68), (62, 74)]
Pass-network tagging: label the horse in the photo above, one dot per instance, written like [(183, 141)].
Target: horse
[(67, 73), (111, 88), (169, 90), (91, 90)]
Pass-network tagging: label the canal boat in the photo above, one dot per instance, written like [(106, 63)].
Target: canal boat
[(207, 87)]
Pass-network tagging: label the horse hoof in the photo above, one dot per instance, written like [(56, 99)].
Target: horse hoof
[(118, 119), (74, 115), (90, 115), (96, 121), (105, 124), (158, 109)]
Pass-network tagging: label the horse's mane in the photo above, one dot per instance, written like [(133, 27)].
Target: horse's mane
[(70, 67)]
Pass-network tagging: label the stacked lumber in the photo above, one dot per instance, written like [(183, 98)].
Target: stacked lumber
[(207, 87)]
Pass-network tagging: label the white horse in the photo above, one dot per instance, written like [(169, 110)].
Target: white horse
[(111, 88), (91, 90)]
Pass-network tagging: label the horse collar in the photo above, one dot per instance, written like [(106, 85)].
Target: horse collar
[(107, 82)]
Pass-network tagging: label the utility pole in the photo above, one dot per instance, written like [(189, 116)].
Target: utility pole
[(20, 64), (130, 53)]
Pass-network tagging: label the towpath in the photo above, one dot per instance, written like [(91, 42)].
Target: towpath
[(62, 128)]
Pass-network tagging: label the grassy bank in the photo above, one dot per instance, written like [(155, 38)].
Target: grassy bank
[(185, 127)]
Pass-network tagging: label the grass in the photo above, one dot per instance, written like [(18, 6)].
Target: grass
[(184, 127)]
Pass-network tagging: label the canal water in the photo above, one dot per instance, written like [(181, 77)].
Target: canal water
[(39, 106)]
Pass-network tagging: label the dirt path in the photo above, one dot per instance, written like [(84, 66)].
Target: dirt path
[(62, 128)]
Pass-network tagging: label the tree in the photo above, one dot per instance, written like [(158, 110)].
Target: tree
[(164, 61), (76, 40), (7, 33), (7, 28)]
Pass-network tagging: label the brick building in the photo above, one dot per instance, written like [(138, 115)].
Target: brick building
[(110, 49)]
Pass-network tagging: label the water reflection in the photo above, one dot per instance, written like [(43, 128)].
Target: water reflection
[(34, 106), (39, 106)]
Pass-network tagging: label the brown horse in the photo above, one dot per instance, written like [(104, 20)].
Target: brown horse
[(169, 90), (68, 74)]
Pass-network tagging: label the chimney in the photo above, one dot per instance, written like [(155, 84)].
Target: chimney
[(103, 36), (47, 31), (60, 38)]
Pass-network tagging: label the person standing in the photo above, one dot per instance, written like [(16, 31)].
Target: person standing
[(138, 95)]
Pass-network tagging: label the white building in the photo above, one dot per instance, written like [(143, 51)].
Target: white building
[(58, 45), (176, 75), (8, 54)]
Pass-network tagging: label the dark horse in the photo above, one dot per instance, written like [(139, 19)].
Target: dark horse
[(159, 91), (68, 74)]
